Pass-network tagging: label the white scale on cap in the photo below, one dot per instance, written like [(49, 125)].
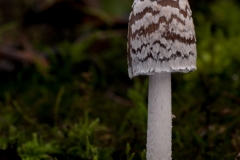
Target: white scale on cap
[(161, 37)]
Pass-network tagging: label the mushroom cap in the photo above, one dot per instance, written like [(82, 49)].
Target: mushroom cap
[(161, 37)]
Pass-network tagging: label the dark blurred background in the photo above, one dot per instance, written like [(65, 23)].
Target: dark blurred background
[(65, 91)]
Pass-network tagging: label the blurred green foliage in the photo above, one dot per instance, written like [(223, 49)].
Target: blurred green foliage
[(84, 106)]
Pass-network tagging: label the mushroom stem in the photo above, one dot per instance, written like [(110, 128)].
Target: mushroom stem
[(159, 133)]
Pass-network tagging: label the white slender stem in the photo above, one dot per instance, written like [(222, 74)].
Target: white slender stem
[(159, 133)]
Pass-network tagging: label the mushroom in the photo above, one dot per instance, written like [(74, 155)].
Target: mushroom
[(161, 40)]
